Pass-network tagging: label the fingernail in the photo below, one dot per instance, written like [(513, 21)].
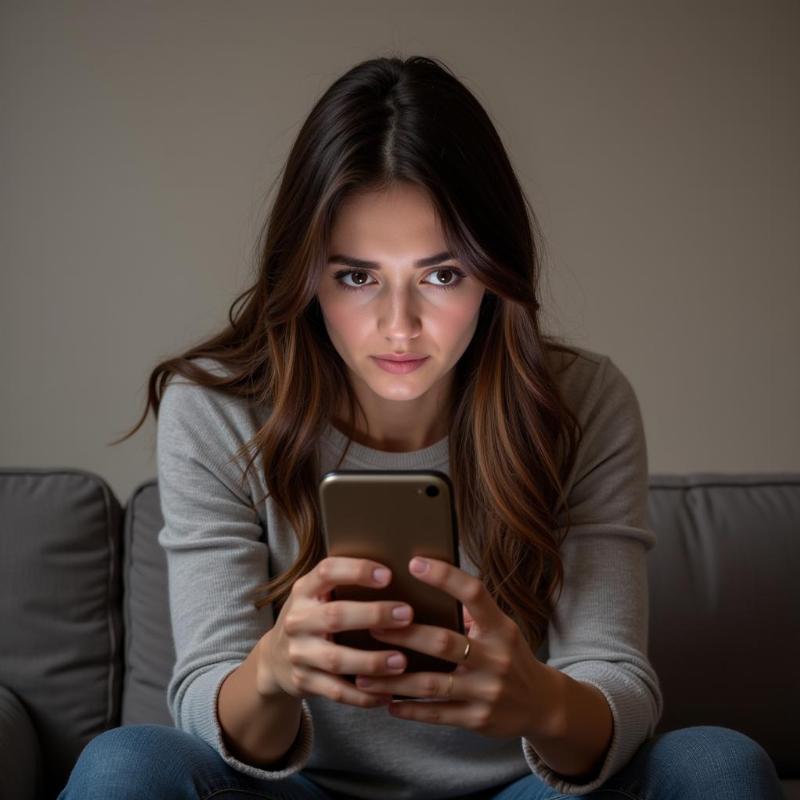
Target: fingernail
[(394, 661), (364, 682), (419, 565), (380, 575), (401, 612)]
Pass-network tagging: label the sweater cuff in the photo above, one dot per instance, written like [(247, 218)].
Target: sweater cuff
[(631, 728), (201, 701)]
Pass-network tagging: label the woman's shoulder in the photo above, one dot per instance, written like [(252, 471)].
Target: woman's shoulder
[(208, 408), (575, 367), (183, 389), (564, 356), (586, 376)]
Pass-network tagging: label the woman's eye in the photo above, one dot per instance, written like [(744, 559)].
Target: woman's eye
[(345, 273), (450, 284)]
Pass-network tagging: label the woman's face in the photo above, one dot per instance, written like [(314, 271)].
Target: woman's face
[(393, 306)]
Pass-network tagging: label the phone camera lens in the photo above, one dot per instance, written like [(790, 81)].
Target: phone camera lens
[(431, 491)]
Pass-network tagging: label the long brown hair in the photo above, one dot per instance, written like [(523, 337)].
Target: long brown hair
[(512, 437)]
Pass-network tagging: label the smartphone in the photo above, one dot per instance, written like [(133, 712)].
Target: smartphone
[(390, 516)]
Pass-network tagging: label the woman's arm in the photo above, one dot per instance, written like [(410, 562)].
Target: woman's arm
[(216, 552), (259, 724), (598, 633), (582, 726)]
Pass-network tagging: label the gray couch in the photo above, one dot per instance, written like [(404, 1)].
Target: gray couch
[(85, 640)]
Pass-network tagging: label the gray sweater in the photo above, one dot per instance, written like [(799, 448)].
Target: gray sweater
[(218, 547)]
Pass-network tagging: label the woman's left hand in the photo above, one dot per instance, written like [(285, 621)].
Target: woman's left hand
[(501, 690)]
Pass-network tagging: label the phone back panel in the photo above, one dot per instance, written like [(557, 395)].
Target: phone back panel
[(390, 517)]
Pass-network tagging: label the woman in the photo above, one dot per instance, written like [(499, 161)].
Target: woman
[(400, 231)]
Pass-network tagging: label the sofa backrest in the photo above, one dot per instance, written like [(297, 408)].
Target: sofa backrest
[(725, 605), (149, 650), (61, 631), (85, 633)]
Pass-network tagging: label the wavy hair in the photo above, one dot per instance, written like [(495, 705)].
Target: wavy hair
[(512, 437)]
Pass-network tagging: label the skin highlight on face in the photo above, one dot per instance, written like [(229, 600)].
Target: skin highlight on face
[(397, 306)]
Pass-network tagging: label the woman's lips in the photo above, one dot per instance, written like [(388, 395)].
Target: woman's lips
[(400, 367)]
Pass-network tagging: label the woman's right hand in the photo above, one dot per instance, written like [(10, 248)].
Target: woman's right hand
[(298, 655)]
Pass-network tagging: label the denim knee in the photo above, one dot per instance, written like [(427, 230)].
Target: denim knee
[(710, 757), (135, 761), (734, 751)]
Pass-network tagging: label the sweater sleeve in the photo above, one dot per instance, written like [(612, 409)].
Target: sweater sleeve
[(216, 554), (598, 632)]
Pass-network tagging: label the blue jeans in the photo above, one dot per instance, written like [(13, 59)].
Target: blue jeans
[(150, 761)]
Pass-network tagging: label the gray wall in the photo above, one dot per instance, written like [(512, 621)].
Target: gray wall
[(658, 143)]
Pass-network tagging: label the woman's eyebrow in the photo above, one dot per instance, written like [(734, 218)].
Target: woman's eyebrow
[(359, 263)]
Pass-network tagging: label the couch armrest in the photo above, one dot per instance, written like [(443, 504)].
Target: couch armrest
[(20, 756)]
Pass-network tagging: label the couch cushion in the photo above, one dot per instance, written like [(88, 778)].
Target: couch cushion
[(725, 605), (149, 650), (20, 757), (60, 621)]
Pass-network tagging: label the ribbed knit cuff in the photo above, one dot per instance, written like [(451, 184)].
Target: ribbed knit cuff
[(199, 716), (630, 709)]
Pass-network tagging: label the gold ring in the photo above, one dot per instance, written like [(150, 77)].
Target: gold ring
[(449, 691), (466, 651)]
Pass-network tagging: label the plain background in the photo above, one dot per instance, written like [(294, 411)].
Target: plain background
[(657, 143)]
